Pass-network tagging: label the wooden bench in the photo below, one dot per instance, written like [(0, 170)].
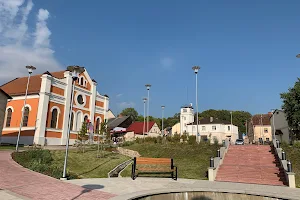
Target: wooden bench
[(153, 165)]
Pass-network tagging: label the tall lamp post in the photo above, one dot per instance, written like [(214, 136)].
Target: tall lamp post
[(144, 126), (148, 89), (162, 119), (30, 70), (196, 69), (75, 70), (231, 123)]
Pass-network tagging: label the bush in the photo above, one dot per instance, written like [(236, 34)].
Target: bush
[(40, 161), (216, 141), (192, 139), (127, 143)]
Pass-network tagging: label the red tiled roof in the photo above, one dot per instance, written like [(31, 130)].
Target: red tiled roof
[(17, 86), (137, 127), (256, 119)]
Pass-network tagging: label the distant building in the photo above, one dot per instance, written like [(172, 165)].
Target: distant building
[(259, 128), (214, 129), (186, 117), (138, 127), (3, 102), (176, 128), (110, 114), (282, 130), (120, 121)]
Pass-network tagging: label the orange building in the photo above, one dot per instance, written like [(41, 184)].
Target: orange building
[(47, 108)]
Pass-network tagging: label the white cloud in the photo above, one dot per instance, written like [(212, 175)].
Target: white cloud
[(167, 62), (119, 95), (18, 46), (125, 104)]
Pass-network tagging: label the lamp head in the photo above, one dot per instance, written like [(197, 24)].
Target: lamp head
[(76, 70), (30, 68), (298, 56), (148, 86), (145, 99), (163, 107), (196, 69)]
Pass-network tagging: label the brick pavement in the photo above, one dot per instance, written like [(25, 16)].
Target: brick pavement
[(32, 185)]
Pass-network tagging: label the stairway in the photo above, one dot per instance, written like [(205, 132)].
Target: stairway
[(251, 164)]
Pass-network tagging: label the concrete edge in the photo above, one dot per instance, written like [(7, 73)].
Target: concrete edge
[(140, 194), (108, 174)]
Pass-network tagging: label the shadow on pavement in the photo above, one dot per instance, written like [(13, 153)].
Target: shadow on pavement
[(87, 188), (201, 198)]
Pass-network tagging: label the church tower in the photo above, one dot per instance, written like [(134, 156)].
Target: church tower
[(186, 117)]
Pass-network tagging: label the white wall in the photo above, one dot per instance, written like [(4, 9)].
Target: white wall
[(186, 117), (221, 131)]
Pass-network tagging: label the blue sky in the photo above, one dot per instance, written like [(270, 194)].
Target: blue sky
[(246, 50)]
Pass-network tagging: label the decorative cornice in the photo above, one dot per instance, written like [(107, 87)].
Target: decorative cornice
[(82, 90)]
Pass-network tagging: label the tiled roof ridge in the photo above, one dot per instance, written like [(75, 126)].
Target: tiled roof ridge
[(9, 81)]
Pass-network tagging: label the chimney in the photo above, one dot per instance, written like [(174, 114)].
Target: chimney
[(211, 119), (120, 115)]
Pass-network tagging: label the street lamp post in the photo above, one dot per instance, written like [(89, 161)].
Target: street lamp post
[(76, 70), (144, 126), (196, 69), (162, 119), (148, 89), (231, 123), (30, 70)]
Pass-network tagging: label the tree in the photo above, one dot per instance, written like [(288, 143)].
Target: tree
[(82, 137), (291, 107), (130, 112), (102, 132), (139, 118)]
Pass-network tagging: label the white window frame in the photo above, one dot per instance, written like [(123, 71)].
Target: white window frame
[(58, 114), (214, 128)]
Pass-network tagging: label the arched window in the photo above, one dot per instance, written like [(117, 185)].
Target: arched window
[(81, 81), (78, 121), (97, 126), (85, 118), (8, 117), (72, 121), (54, 118), (26, 116)]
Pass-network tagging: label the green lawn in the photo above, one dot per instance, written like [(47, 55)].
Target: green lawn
[(192, 160), (293, 154), (80, 165), (9, 147)]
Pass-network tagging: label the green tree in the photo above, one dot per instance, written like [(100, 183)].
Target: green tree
[(139, 118), (130, 112), (291, 107), (101, 135), (82, 137)]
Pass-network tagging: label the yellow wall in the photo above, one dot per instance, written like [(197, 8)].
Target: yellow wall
[(259, 132)]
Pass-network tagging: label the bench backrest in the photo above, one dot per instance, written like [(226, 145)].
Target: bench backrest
[(153, 161)]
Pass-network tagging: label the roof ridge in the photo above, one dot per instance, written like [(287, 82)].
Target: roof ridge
[(10, 81)]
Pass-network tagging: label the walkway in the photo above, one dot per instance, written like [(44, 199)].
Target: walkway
[(126, 188), (17, 182)]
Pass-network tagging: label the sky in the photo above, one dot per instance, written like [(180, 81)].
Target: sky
[(246, 49)]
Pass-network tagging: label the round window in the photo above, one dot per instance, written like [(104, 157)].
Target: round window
[(80, 99)]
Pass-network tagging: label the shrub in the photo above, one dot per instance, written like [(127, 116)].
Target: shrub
[(216, 141), (176, 138), (192, 139), (40, 161), (296, 144)]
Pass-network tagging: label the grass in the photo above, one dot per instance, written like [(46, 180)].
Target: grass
[(80, 165), (192, 160), (9, 147), (293, 154)]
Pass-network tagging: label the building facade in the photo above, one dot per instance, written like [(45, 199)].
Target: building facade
[(3, 102), (280, 126), (259, 128), (138, 127), (47, 110), (209, 128), (214, 130)]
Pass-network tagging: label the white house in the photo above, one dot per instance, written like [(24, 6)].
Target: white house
[(209, 128)]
